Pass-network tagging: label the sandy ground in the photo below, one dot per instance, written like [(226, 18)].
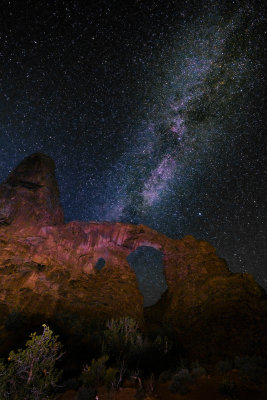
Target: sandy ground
[(205, 388)]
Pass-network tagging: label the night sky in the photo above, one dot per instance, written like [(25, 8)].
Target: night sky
[(152, 110)]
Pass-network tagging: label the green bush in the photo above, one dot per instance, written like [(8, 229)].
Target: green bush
[(127, 328), (123, 341), (31, 373), (180, 382), (198, 372), (94, 374), (110, 378), (183, 375), (121, 336)]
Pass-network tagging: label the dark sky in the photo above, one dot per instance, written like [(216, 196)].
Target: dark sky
[(152, 110)]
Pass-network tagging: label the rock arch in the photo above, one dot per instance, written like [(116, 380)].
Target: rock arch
[(48, 267)]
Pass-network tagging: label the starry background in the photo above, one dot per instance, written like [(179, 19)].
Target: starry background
[(152, 110)]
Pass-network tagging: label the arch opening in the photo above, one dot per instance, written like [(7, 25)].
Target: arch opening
[(147, 262), (100, 264)]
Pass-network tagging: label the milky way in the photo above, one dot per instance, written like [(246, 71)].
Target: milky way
[(153, 113)]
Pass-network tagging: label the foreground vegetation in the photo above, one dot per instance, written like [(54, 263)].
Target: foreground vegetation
[(125, 357)]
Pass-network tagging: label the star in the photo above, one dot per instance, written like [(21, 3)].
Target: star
[(153, 115)]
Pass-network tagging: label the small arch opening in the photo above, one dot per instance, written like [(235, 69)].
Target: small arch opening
[(100, 264), (147, 263)]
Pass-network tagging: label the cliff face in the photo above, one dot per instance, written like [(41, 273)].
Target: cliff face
[(30, 197), (47, 269)]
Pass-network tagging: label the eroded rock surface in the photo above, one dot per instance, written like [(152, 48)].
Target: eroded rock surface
[(30, 197), (47, 269)]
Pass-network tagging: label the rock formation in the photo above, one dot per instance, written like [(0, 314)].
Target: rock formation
[(47, 269)]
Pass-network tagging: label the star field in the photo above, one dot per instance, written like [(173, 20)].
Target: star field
[(153, 112)]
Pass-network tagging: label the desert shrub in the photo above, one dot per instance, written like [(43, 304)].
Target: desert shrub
[(183, 375), (94, 374), (197, 372), (31, 373), (146, 356), (110, 378), (126, 328), (170, 345), (86, 393), (228, 388), (252, 372), (180, 381), (174, 386), (152, 355), (165, 376), (123, 341), (121, 337), (163, 350), (224, 366)]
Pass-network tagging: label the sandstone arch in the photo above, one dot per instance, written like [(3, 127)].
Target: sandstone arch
[(47, 267)]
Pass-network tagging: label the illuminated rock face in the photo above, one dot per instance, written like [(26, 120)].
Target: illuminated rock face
[(48, 268), (30, 197)]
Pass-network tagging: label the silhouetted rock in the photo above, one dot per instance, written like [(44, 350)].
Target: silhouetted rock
[(29, 198), (48, 269)]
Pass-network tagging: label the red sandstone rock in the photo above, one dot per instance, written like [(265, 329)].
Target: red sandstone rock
[(47, 268), (30, 197)]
